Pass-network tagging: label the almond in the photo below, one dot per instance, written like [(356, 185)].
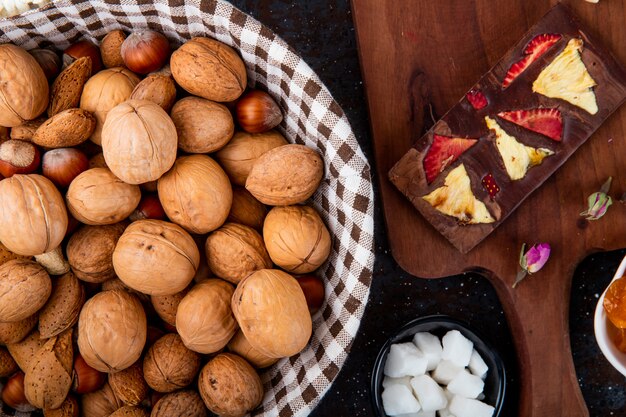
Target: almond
[(63, 307), (129, 411), (69, 408), (68, 86), (23, 352), (110, 49), (129, 385), (15, 332), (26, 130), (8, 366), (6, 255), (48, 377), (67, 128)]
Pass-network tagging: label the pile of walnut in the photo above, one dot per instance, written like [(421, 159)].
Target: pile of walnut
[(141, 269)]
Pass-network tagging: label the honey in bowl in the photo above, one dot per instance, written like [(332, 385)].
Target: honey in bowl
[(615, 303), (617, 336)]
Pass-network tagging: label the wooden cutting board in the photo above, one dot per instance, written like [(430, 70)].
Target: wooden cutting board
[(418, 59)]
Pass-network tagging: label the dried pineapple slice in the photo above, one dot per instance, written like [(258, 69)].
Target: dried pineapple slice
[(455, 198), (517, 157), (567, 78)]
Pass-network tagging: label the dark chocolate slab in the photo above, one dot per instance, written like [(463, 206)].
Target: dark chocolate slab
[(483, 158)]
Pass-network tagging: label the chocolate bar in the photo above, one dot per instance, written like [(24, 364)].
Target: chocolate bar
[(512, 130)]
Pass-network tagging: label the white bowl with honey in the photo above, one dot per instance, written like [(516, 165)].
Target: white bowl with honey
[(609, 327)]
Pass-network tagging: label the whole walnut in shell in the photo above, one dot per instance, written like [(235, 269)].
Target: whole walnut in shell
[(100, 403), (112, 331), (296, 238), (196, 194), (210, 69), (204, 319), (240, 346), (285, 175), (129, 385), (105, 90), (169, 366), (229, 386), (246, 209), (167, 305), (203, 126), (271, 310), (234, 251), (33, 218), (24, 288), (238, 156), (180, 404), (139, 141), (23, 86), (156, 257), (157, 88), (98, 197), (94, 265), (130, 411)]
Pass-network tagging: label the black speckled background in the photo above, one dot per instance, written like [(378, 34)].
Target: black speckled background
[(322, 32)]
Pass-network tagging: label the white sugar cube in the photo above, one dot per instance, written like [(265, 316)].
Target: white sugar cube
[(430, 345), (398, 399), (466, 385), (419, 414), (405, 359), (405, 380), (429, 393), (457, 348), (445, 413), (466, 407), (449, 395), (477, 365), (445, 372)]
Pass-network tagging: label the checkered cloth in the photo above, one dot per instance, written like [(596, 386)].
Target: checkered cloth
[(345, 199)]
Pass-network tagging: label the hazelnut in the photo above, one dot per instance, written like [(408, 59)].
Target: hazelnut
[(169, 365), (13, 394), (98, 197), (257, 112), (229, 386), (33, 219), (196, 194), (24, 86), (272, 312), (139, 141), (48, 60), (85, 379), (82, 49), (296, 238), (149, 208), (129, 385), (156, 257), (234, 251), (238, 156), (285, 175), (204, 318), (180, 404), (203, 126), (62, 165), (246, 209), (209, 69), (18, 157), (112, 331), (24, 288), (104, 91), (145, 51), (90, 265)]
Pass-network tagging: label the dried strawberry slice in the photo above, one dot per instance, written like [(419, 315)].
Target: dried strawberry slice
[(535, 48), (547, 122), (444, 151), (490, 185), (477, 99)]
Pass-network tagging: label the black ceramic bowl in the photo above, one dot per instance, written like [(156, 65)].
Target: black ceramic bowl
[(495, 383)]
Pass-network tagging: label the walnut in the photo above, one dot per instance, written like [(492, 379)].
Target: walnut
[(94, 265), (203, 126), (24, 289), (180, 404), (169, 365), (129, 385)]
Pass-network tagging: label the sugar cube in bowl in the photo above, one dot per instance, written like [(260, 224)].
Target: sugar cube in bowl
[(470, 367)]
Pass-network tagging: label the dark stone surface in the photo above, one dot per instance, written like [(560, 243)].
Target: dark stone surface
[(322, 32)]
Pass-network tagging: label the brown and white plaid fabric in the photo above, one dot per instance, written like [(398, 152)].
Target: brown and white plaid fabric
[(346, 199)]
